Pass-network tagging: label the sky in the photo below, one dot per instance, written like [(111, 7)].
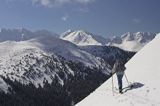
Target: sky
[(101, 17)]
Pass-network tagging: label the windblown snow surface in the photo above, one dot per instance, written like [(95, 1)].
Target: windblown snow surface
[(144, 71)]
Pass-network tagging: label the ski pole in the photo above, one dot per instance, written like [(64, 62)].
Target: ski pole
[(126, 78), (112, 86)]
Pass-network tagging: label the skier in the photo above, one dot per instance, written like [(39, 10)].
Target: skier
[(119, 69)]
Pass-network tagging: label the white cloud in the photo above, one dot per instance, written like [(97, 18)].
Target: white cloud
[(45, 2), (84, 1), (136, 20), (84, 9), (51, 3), (65, 17), (34, 1)]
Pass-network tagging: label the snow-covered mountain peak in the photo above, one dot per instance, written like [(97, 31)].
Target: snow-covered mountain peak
[(83, 38), (127, 36), (77, 36), (141, 37), (132, 41), (115, 39), (66, 33), (128, 41)]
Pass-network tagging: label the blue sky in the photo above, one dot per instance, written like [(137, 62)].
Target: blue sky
[(102, 17)]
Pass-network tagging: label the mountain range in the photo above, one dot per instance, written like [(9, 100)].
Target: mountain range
[(66, 67), (40, 63), (128, 41)]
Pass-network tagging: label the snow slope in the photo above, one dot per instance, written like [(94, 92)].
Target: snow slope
[(144, 71)]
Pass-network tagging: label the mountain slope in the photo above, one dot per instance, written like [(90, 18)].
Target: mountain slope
[(143, 71), (108, 53), (17, 59), (82, 38)]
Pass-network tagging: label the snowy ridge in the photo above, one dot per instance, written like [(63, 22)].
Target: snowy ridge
[(128, 41), (142, 70)]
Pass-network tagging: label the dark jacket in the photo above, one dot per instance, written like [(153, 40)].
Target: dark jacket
[(118, 69)]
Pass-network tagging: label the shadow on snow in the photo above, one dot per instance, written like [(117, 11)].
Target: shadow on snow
[(132, 86)]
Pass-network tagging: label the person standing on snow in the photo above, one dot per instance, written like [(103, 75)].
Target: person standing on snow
[(119, 69)]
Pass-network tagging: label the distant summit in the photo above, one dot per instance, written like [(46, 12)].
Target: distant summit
[(83, 38), (132, 41)]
